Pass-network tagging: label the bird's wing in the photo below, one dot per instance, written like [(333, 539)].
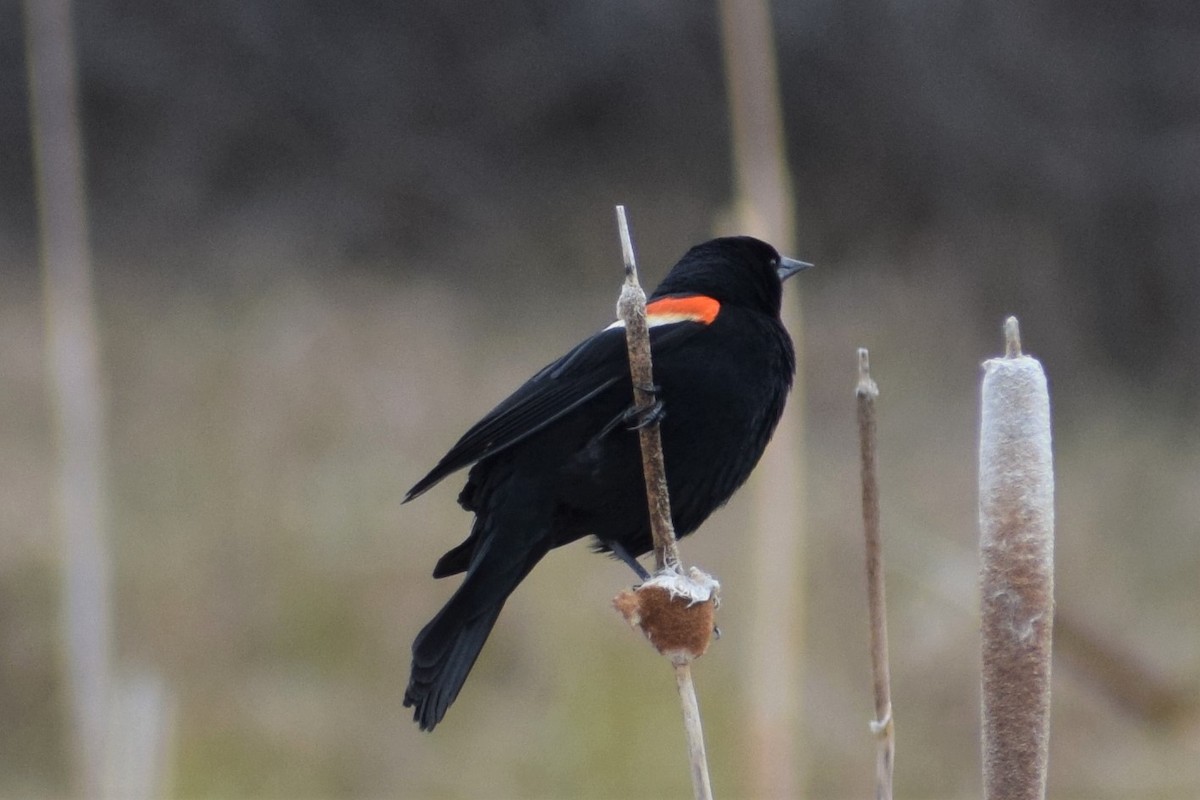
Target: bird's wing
[(558, 389)]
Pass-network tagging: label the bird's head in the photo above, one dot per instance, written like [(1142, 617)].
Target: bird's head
[(735, 270)]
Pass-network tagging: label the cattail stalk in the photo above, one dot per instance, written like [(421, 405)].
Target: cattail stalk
[(1016, 521), (763, 206), (73, 385), (882, 726), (631, 308), (673, 610), (119, 726)]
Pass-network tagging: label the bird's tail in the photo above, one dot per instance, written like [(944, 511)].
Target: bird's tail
[(445, 649), (443, 655)]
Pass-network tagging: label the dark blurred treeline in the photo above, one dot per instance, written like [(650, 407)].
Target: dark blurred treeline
[(1049, 150)]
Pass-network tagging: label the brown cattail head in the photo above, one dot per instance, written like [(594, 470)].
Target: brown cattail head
[(674, 611), (1016, 522)]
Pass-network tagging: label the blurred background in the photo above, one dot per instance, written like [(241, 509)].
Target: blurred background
[(327, 237)]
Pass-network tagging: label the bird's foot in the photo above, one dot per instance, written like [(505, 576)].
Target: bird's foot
[(637, 417), (622, 553)]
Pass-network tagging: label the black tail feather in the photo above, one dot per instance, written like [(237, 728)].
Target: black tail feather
[(445, 650), (457, 559), (443, 655), (505, 543)]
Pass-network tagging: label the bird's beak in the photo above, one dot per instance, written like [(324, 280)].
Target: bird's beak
[(790, 266)]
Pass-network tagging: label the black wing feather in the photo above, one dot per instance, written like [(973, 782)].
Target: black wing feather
[(555, 391)]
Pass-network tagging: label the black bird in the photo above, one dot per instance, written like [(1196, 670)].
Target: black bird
[(560, 460)]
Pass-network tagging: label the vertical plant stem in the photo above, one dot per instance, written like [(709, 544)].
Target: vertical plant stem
[(1016, 521), (882, 726), (631, 309), (73, 381), (701, 786), (763, 206)]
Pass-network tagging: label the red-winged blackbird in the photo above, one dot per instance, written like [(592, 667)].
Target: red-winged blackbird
[(560, 460)]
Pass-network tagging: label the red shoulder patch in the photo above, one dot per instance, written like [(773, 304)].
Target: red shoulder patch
[(696, 308)]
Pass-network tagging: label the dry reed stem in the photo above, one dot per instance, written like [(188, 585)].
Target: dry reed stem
[(1125, 675), (692, 723), (1016, 519), (631, 309), (763, 206), (882, 726), (119, 731), (74, 386)]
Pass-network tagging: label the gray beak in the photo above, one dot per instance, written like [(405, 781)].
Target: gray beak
[(790, 266)]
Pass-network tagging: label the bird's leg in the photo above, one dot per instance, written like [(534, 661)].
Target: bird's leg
[(622, 553), (637, 417)]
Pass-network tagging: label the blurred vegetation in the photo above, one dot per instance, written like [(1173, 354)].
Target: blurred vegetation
[(329, 237)]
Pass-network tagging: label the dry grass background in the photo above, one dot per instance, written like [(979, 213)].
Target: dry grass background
[(329, 237), (263, 430)]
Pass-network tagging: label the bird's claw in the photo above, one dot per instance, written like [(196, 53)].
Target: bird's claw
[(638, 417)]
